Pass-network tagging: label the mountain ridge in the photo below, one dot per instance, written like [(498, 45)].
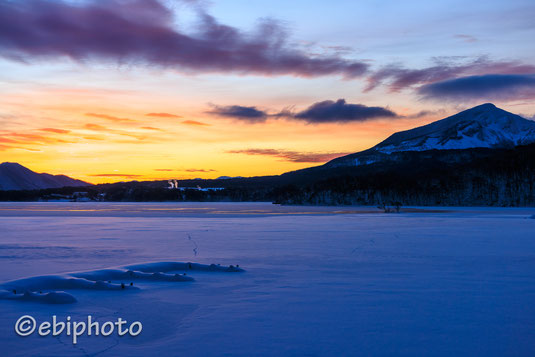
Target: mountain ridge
[(14, 176), (483, 126)]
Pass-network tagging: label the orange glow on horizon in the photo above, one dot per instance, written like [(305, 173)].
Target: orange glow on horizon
[(110, 135)]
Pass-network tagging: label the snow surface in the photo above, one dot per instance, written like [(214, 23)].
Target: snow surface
[(318, 281)]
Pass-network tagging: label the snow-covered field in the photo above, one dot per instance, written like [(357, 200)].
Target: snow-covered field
[(318, 281)]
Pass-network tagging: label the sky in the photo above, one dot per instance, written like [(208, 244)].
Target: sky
[(121, 90)]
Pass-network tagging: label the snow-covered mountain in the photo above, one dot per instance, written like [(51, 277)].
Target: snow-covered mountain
[(14, 176), (484, 126)]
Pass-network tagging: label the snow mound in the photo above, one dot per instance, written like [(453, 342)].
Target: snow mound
[(177, 266), (54, 297), (46, 289), (59, 282), (120, 274)]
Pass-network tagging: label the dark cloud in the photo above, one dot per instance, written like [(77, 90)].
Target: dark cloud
[(398, 78), (163, 115), (249, 114), (143, 32), (292, 156), (487, 87), (327, 111), (330, 111)]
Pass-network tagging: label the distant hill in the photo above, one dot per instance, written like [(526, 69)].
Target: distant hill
[(14, 176)]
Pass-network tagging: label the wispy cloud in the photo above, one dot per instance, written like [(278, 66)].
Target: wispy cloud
[(194, 122), (135, 31), (108, 117), (424, 113), (116, 175), (93, 137), (465, 38), (30, 138), (54, 130), (292, 156), (8, 140), (163, 115), (95, 127), (186, 170), (101, 128), (199, 170)]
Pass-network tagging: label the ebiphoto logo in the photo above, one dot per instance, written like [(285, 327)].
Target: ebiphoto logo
[(27, 325)]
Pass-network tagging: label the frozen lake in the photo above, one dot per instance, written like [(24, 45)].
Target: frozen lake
[(319, 281)]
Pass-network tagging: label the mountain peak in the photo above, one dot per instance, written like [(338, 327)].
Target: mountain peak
[(485, 105), (482, 126), (13, 164), (14, 176)]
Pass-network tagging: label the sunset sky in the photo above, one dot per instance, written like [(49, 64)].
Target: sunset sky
[(118, 90)]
